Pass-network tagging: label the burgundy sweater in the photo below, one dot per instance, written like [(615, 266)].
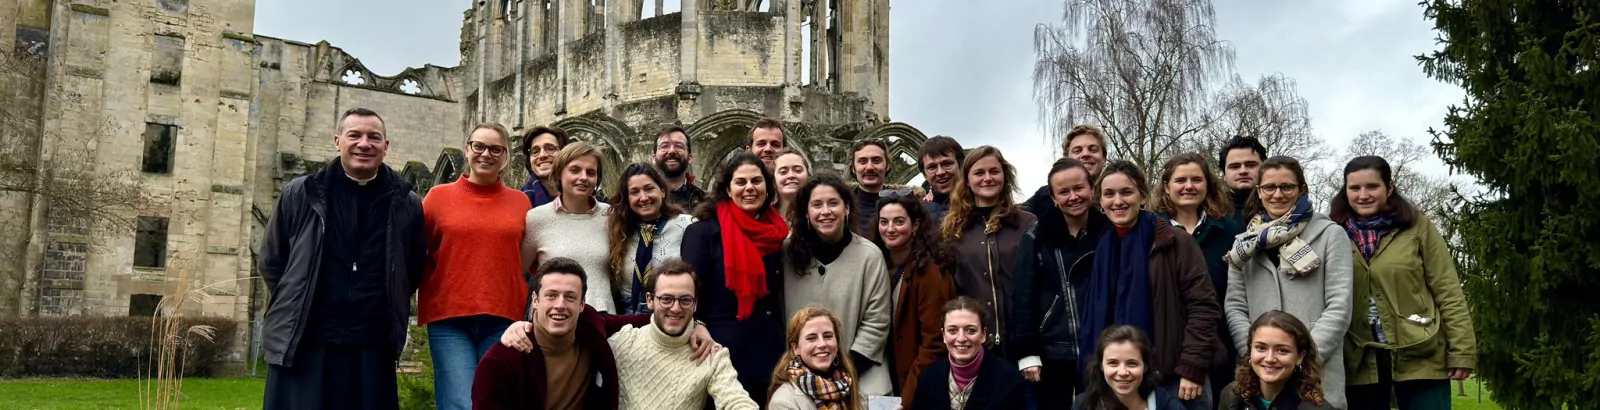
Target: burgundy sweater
[(509, 379)]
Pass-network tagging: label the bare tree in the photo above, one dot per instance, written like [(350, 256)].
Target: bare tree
[(1141, 69), (1431, 194), (51, 181), (1271, 111)]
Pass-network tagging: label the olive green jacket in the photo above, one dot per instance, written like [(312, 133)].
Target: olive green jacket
[(1420, 304)]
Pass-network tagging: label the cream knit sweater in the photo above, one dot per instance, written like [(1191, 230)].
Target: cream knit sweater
[(552, 232), (658, 373)]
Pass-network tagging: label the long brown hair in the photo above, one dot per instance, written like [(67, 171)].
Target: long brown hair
[(1399, 210), (1216, 204), (962, 199), (622, 221), (707, 210), (1248, 385), (780, 374), (802, 236), (926, 247), (1097, 394)]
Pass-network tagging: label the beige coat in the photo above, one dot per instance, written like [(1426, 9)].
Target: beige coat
[(856, 290)]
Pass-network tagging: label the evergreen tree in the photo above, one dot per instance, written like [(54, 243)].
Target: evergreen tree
[(1530, 247)]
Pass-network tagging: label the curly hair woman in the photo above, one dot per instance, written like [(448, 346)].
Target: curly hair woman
[(921, 283), (1282, 370)]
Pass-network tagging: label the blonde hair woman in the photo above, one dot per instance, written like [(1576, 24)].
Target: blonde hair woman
[(812, 375)]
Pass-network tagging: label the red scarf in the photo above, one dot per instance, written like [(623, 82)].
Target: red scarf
[(744, 240)]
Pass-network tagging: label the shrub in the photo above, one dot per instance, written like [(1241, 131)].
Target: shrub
[(103, 347)]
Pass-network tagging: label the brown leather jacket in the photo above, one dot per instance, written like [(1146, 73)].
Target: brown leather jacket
[(917, 338), (1186, 313)]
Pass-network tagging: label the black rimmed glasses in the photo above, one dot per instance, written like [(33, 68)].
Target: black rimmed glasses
[(666, 301), (479, 148), (1274, 189)]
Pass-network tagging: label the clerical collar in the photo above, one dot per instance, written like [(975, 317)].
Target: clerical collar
[(359, 181)]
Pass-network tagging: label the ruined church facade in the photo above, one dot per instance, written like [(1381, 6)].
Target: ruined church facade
[(239, 115)]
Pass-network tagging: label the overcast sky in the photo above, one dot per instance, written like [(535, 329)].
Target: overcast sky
[(961, 68)]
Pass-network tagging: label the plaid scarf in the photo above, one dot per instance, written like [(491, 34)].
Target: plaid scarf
[(829, 394), (1368, 233), (1295, 257)]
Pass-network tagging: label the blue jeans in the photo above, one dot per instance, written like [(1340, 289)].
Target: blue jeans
[(457, 344)]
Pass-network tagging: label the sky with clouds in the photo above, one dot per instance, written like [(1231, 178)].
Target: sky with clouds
[(962, 68)]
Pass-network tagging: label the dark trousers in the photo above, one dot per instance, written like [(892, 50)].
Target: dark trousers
[(334, 377), (1054, 391), (1409, 395), (1223, 375)]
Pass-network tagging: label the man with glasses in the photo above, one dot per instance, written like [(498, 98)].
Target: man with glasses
[(940, 163), (673, 157), (343, 252), (869, 165), (575, 357)]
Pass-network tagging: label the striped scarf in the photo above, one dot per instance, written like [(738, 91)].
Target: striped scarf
[(829, 394), (1368, 233), (1295, 256)]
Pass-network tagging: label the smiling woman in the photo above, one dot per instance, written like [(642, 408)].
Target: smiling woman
[(1295, 260), (644, 230), (573, 225), (474, 226)]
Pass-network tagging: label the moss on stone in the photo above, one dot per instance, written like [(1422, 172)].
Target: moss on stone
[(229, 35), (87, 9)]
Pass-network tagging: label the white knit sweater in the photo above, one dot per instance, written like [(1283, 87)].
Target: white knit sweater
[(657, 372), (554, 232)]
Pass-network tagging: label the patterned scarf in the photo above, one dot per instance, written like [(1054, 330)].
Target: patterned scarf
[(1295, 256), (828, 393), (1368, 233)]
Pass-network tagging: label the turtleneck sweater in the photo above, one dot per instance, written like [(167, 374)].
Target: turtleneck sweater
[(656, 372), (474, 234), (567, 368)]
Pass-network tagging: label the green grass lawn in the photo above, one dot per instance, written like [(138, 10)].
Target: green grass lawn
[(1470, 401), (51, 394)]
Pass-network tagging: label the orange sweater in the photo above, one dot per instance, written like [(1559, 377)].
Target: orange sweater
[(475, 257)]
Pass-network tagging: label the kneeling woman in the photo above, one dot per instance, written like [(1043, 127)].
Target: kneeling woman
[(1120, 376), (972, 377), (811, 375), (1283, 370)]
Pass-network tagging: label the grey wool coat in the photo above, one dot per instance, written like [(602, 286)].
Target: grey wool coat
[(1321, 299)]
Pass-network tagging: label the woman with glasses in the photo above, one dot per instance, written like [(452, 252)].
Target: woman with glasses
[(1292, 259), (920, 265), (985, 226), (829, 265), (1412, 331), (473, 288), (644, 230), (574, 224), (1192, 197), (792, 171)]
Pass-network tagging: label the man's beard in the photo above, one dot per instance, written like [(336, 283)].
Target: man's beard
[(683, 167)]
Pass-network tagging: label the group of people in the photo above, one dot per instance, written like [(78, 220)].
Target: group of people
[(786, 287)]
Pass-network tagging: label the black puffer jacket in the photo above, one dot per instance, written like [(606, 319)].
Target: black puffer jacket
[(1046, 312), (291, 258)]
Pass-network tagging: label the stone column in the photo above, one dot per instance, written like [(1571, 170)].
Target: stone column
[(613, 50), (688, 56), (819, 43)]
